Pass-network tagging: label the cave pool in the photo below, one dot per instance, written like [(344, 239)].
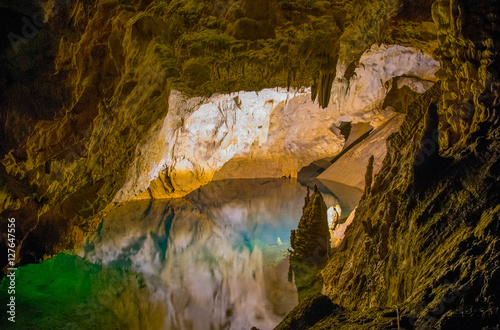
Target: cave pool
[(215, 259)]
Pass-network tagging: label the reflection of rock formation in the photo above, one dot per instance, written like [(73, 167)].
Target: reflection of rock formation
[(233, 200), (310, 245), (66, 292), (122, 130), (87, 94), (212, 260)]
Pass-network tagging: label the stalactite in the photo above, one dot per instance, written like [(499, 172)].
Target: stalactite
[(314, 90), (369, 176)]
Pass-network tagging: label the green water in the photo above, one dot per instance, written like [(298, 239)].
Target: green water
[(59, 294)]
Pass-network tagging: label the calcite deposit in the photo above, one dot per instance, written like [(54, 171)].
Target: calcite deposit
[(365, 90), (310, 245), (271, 132)]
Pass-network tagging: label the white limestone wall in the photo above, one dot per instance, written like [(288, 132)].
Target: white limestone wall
[(270, 133)]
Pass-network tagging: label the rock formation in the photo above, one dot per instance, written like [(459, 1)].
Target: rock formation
[(229, 136), (371, 81), (309, 312), (349, 169), (310, 245)]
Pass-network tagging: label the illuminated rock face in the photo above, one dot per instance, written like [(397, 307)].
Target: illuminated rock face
[(338, 234), (351, 167), (271, 133), (86, 91), (365, 91), (279, 130)]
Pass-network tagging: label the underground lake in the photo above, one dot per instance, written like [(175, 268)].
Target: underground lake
[(216, 259)]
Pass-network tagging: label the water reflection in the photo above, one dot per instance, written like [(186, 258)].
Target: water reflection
[(214, 259)]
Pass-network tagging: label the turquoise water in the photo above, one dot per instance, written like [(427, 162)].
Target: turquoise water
[(215, 259)]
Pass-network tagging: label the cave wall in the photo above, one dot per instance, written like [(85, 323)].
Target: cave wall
[(350, 168), (425, 237), (367, 87), (69, 166), (90, 84), (240, 135)]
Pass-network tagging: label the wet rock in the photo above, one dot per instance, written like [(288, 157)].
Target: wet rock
[(309, 238), (309, 312), (310, 245)]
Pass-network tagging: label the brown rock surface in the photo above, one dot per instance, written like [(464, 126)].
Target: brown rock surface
[(350, 168), (310, 245)]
